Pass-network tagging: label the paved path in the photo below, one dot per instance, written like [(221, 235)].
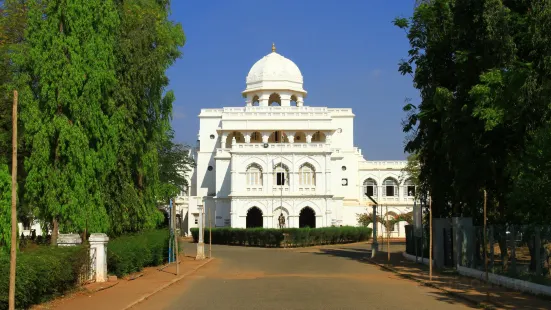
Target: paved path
[(327, 278)]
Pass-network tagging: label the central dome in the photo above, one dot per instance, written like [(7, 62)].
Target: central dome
[(274, 72)]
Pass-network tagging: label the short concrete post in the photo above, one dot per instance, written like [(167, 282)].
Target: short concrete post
[(98, 255)]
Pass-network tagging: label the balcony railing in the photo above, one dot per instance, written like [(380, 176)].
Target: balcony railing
[(254, 189), (280, 146), (376, 164)]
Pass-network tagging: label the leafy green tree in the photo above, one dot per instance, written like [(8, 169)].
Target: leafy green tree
[(483, 72), (175, 164), (5, 209), (66, 107), (147, 45), (13, 22)]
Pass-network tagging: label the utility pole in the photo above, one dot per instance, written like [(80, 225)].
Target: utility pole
[(387, 234), (486, 244), (13, 253), (430, 238), (374, 244)]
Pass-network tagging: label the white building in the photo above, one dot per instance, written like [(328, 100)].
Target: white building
[(278, 155)]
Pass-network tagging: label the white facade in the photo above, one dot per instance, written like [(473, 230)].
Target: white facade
[(243, 152)]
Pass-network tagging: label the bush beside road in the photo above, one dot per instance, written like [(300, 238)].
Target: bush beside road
[(271, 237)]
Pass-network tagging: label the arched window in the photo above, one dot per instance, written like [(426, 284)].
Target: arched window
[(370, 187), (300, 137), (256, 137), (281, 175), (307, 175), (294, 100), (256, 101), (254, 175), (277, 137), (409, 188), (390, 187), (274, 100), (318, 137), (239, 138)]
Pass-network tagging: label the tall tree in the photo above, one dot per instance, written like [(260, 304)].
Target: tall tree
[(67, 110), (482, 68), (13, 48), (454, 46), (147, 45)]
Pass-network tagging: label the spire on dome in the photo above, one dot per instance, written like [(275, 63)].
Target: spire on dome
[(273, 48)]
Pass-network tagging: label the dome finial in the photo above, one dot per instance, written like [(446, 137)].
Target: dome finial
[(273, 48)]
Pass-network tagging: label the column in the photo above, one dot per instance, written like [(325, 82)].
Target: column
[(98, 249), (233, 171), (328, 174), (300, 101), (285, 100), (263, 100), (223, 140), (400, 192), (290, 136)]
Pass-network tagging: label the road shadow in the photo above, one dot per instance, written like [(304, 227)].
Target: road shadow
[(458, 289)]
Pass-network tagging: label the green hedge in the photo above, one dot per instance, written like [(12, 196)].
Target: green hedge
[(41, 274), (274, 237), (130, 253)]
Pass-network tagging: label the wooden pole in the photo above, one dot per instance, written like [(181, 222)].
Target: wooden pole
[(430, 238), (387, 234), (486, 244), (13, 253), (175, 237)]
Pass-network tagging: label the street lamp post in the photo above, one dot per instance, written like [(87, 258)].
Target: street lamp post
[(374, 244), (200, 243)]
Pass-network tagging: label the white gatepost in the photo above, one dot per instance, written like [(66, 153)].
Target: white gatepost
[(98, 255)]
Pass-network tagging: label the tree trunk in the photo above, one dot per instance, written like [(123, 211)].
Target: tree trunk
[(55, 230), (84, 236), (532, 249), (502, 241)]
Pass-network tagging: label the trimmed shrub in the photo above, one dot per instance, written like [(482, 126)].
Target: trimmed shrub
[(131, 253), (41, 274), (272, 237)]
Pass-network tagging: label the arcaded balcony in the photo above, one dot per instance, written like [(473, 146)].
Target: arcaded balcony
[(274, 140)]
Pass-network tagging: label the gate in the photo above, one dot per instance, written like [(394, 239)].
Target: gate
[(87, 270), (448, 247)]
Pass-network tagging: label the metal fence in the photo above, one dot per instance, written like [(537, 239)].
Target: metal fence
[(517, 251), (417, 245), (87, 272)]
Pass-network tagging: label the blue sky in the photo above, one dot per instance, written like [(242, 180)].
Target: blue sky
[(347, 51)]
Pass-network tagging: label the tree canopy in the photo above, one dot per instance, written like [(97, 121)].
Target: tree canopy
[(94, 111), (482, 71)]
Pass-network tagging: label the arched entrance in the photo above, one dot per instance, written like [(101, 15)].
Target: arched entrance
[(307, 218), (254, 218)]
